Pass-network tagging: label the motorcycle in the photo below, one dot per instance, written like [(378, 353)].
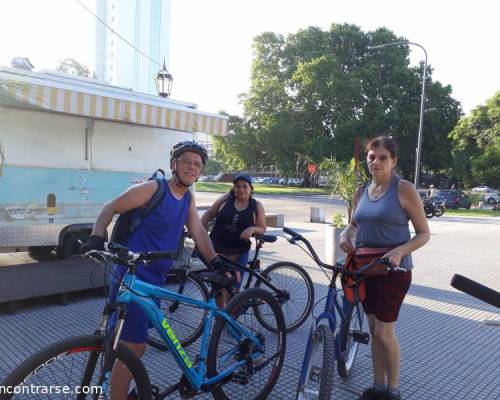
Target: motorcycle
[(439, 205), (434, 206)]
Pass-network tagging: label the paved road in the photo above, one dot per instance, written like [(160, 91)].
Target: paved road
[(447, 353), (295, 208)]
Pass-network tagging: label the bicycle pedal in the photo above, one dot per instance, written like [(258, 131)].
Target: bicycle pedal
[(361, 337)]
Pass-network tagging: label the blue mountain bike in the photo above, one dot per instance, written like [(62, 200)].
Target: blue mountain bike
[(238, 358), (336, 332)]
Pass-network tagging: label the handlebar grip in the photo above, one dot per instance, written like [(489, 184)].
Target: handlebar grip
[(476, 290), (291, 232)]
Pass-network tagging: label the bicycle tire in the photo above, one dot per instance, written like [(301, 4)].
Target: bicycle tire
[(354, 321), (293, 279), (187, 321), (53, 364), (244, 382), (318, 376)]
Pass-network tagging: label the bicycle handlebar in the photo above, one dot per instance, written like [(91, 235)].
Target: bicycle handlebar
[(123, 255), (386, 264), (476, 290)]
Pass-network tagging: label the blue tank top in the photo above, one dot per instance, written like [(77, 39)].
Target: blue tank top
[(382, 222), (160, 231)]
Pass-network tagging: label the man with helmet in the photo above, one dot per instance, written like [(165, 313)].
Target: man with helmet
[(160, 230)]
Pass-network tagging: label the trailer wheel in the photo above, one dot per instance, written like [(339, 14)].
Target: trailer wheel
[(71, 244), (41, 253)]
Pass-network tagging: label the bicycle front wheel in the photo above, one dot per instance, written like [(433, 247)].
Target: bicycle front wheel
[(316, 376), (259, 364), (354, 316), (186, 320), (72, 369), (297, 295)]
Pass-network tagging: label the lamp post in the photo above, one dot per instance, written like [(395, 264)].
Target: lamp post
[(164, 82), (422, 105)]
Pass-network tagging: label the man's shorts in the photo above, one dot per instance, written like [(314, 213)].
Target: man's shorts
[(136, 326), (385, 295)]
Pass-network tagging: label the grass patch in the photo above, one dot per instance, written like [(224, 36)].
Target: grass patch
[(222, 187), (472, 213)]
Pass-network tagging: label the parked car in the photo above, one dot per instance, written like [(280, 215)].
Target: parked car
[(491, 197), (454, 198), (225, 177), (482, 188)]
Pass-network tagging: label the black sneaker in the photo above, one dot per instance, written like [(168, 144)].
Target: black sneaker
[(389, 396), (371, 394)]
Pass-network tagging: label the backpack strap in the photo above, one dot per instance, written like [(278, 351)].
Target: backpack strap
[(157, 197)]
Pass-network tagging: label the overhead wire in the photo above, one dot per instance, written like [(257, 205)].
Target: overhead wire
[(117, 34)]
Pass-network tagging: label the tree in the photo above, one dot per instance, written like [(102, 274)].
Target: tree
[(476, 145), (73, 67), (342, 179), (314, 92)]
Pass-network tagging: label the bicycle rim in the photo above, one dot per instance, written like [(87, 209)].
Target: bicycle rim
[(256, 379), (349, 348), (317, 367), (186, 321), (72, 369), (296, 283)]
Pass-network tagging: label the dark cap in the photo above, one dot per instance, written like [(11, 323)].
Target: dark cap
[(243, 177)]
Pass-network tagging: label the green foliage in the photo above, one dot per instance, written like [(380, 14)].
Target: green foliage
[(314, 92), (476, 145), (213, 167), (342, 179), (74, 67), (338, 220)]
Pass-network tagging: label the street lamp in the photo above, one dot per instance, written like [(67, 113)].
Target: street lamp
[(164, 82), (422, 104)]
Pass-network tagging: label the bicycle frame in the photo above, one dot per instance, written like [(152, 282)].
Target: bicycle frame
[(134, 290), (329, 316)]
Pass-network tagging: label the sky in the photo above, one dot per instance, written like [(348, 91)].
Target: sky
[(211, 41)]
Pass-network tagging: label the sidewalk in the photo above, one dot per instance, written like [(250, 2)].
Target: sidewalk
[(447, 354)]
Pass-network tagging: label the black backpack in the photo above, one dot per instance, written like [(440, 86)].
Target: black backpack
[(129, 221)]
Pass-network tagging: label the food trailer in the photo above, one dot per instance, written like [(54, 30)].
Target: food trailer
[(69, 144)]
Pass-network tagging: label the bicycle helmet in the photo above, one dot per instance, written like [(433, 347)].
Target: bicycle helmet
[(189, 145)]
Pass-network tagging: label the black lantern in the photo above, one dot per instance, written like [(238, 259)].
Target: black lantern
[(164, 82)]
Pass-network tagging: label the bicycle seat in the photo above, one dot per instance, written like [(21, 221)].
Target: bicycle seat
[(266, 238), (217, 279)]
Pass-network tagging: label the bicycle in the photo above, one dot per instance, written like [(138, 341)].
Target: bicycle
[(280, 278), (328, 342), (235, 355)]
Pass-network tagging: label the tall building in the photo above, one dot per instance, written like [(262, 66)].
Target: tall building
[(146, 25)]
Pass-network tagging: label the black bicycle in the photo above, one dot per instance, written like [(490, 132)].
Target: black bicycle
[(289, 283)]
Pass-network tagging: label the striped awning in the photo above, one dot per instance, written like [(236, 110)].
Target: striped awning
[(82, 103)]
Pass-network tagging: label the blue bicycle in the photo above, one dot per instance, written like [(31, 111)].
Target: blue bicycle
[(329, 342), (238, 358)]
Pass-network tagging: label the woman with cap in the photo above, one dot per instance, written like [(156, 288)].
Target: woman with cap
[(238, 216)]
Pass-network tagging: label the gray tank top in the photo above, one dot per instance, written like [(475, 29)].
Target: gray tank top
[(382, 222)]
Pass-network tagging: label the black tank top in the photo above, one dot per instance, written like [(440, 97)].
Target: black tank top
[(229, 224)]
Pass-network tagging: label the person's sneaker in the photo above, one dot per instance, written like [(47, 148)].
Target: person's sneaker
[(389, 396), (371, 394)]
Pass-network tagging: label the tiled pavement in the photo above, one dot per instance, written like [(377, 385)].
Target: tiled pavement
[(447, 353)]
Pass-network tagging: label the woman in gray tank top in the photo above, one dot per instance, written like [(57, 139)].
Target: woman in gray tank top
[(382, 209)]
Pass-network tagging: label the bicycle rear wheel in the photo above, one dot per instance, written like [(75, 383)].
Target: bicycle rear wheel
[(256, 378), (348, 346), (298, 289), (316, 376), (72, 369), (187, 321)]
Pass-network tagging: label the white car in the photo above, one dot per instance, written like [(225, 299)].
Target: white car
[(482, 188), (491, 198)]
